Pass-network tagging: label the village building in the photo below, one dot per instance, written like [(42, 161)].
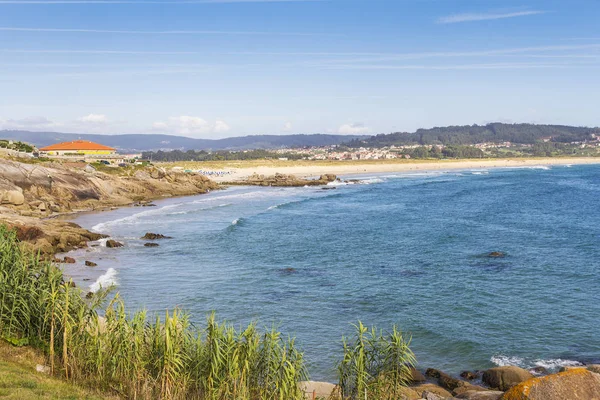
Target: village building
[(77, 148)]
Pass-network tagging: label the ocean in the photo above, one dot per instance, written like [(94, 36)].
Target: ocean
[(405, 249)]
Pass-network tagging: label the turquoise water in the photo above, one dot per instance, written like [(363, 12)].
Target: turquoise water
[(398, 249)]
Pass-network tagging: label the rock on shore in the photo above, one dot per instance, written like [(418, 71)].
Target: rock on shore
[(285, 180), (30, 193)]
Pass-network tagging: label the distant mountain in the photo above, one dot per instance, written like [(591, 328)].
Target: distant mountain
[(473, 134), (148, 142)]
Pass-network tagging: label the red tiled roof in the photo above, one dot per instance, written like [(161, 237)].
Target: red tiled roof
[(77, 145)]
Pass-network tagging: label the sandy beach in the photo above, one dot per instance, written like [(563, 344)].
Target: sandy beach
[(343, 168)]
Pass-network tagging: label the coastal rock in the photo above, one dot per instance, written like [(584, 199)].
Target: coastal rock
[(154, 236), (431, 396), (503, 378), (416, 376), (320, 389), (328, 177), (69, 260), (593, 368), (465, 387), (151, 244), (89, 295), (496, 254), (431, 388), (575, 384), (90, 264), (286, 180), (480, 395), (445, 380), (539, 370), (468, 375), (12, 197), (113, 244)]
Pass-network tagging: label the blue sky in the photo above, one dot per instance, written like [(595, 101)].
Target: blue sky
[(218, 68)]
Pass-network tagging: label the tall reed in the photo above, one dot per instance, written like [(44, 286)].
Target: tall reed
[(375, 365), (139, 358)]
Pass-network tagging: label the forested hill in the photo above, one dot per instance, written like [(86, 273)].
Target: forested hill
[(150, 142), (473, 134)]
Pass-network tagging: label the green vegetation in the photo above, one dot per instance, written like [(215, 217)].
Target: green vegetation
[(133, 356), (202, 155), (473, 134), (375, 365), (17, 146), (20, 381)]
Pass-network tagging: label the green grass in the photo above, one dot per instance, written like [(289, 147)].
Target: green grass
[(19, 379)]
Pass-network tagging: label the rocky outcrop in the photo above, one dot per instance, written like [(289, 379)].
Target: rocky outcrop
[(416, 376), (285, 180), (151, 244), (456, 386), (90, 264), (575, 384), (478, 395), (44, 188), (468, 375), (154, 236), (319, 389), (111, 244), (69, 260), (29, 193), (431, 388), (503, 378), (12, 197)]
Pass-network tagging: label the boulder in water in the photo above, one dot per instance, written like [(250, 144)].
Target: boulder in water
[(113, 243), (155, 236), (90, 264), (69, 260), (468, 375), (503, 378), (496, 254), (151, 245)]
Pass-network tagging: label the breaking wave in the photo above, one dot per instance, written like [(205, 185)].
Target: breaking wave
[(109, 278)]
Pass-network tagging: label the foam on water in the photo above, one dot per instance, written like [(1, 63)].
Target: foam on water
[(550, 364), (109, 278)]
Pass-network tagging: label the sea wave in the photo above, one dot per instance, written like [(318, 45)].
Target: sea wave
[(200, 209), (133, 218), (109, 278), (550, 364)]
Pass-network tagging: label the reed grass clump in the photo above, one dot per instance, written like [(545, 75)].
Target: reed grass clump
[(376, 365), (139, 358)]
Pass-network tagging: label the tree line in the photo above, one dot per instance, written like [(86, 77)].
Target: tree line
[(473, 134)]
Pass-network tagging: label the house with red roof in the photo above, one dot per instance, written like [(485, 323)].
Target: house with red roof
[(78, 148)]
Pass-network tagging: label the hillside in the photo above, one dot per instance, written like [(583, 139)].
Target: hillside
[(473, 134), (149, 142), (31, 194)]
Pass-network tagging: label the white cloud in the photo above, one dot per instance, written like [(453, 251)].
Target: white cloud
[(287, 127), (221, 126), (160, 126), (470, 17), (353, 129), (33, 122), (189, 126), (94, 119)]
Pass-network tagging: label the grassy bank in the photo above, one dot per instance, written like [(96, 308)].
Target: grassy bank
[(20, 381), (98, 343)]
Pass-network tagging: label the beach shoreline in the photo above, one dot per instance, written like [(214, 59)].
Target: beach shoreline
[(349, 168)]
